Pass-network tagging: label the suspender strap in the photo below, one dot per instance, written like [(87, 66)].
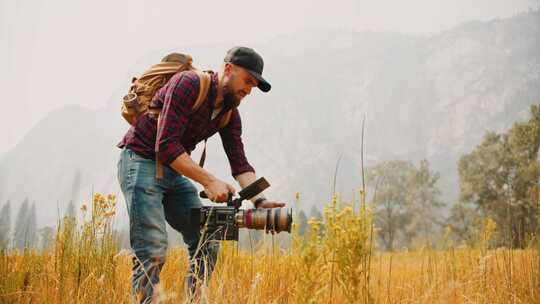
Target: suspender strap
[(159, 167)]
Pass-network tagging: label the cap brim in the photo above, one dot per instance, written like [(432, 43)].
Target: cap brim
[(263, 84)]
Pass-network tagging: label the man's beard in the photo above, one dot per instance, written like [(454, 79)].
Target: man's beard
[(230, 100)]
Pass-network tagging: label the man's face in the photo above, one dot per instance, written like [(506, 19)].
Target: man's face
[(238, 85)]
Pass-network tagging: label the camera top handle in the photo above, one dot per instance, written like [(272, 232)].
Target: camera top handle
[(248, 192)]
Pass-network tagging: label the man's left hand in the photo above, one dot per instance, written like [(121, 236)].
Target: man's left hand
[(267, 204)]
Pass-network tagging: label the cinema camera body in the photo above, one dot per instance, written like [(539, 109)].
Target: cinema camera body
[(223, 222)]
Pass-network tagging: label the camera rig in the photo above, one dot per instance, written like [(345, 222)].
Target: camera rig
[(223, 222)]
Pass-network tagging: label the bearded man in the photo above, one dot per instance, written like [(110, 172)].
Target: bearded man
[(153, 201)]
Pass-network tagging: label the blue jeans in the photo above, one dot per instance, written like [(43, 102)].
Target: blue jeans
[(151, 202)]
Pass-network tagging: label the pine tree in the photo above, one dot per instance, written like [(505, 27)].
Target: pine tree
[(70, 211), (315, 213), (5, 225), (31, 233), (46, 235), (301, 222), (20, 233)]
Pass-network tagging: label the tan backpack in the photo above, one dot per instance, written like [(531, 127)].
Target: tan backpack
[(137, 102)]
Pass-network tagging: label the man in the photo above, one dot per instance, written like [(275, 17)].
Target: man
[(151, 201)]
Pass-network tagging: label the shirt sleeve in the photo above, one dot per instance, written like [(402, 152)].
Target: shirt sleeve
[(231, 138), (180, 96)]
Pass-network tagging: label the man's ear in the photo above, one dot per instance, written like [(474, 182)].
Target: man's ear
[(227, 68)]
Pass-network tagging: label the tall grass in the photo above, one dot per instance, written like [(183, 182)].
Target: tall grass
[(333, 263)]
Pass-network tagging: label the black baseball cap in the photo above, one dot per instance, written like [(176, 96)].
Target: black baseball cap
[(248, 59)]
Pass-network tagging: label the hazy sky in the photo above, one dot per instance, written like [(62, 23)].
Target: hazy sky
[(60, 52)]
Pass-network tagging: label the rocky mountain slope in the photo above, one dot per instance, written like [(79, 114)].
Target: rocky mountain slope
[(422, 97)]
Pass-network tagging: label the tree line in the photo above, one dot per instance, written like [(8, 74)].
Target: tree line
[(499, 180), (24, 232), (499, 184)]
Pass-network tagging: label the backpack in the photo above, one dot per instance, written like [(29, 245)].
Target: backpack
[(137, 102)]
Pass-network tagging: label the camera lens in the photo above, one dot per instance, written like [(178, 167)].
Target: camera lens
[(275, 219)]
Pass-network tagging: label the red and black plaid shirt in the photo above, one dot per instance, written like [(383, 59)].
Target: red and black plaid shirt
[(181, 128)]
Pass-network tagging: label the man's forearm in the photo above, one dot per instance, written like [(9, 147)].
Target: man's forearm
[(184, 165), (245, 179)]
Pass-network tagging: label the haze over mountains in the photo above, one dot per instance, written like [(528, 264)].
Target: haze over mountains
[(422, 98)]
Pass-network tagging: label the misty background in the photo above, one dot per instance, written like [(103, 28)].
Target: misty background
[(429, 76)]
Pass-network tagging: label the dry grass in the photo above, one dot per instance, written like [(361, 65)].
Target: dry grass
[(83, 265)]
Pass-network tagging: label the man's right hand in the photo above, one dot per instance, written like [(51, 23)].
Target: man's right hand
[(215, 189), (218, 191)]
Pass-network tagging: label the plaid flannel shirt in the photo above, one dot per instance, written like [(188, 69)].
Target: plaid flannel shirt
[(181, 128)]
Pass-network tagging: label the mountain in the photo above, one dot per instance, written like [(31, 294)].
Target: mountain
[(422, 97)]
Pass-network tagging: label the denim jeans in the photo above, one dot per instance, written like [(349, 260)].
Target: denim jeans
[(151, 202)]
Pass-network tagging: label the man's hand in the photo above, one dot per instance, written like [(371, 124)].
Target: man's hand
[(218, 191), (215, 189), (267, 204)]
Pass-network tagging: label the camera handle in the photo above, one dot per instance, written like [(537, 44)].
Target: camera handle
[(247, 193), (236, 203)]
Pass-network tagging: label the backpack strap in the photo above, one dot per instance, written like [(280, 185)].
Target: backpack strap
[(205, 86), (204, 79)]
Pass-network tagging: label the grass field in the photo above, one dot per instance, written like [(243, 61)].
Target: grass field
[(83, 265)]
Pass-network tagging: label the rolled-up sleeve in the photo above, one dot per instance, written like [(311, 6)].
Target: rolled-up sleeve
[(180, 96), (231, 138)]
